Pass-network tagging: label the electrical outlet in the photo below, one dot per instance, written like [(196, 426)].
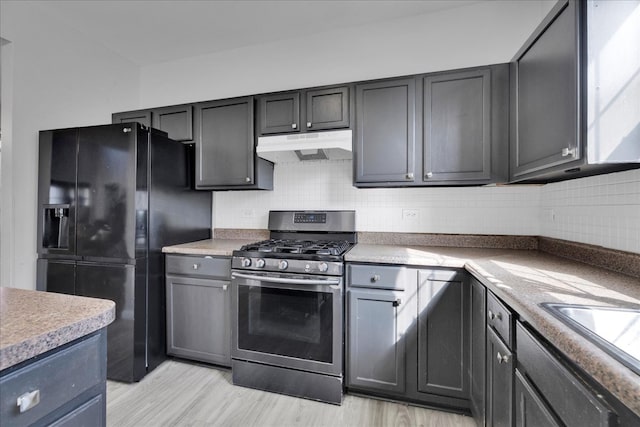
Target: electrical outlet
[(410, 214), (248, 213)]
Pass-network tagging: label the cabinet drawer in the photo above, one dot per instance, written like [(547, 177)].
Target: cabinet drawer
[(499, 317), (382, 277), (573, 401), (199, 265), (58, 378)]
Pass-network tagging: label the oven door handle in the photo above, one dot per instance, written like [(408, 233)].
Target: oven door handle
[(287, 281)]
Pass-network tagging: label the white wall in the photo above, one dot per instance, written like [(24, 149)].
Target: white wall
[(327, 184), (601, 210), (480, 34), (60, 79)]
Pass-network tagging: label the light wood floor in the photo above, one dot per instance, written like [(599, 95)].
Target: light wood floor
[(183, 394)]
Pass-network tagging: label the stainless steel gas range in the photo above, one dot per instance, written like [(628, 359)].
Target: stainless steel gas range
[(288, 308)]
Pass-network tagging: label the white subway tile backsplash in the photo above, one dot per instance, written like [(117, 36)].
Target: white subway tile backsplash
[(601, 210)]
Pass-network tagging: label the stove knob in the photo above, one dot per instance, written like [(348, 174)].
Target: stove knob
[(260, 263), (323, 267), (246, 262), (282, 265)]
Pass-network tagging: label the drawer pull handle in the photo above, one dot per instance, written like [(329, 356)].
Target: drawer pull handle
[(502, 358), (196, 266), (375, 278), (491, 315), (397, 302), (224, 287), (499, 316), (28, 400)]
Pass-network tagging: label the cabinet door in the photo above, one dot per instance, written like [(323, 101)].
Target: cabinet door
[(225, 143), (457, 126), (443, 333), (198, 322), (547, 98), (177, 121), (385, 132), (280, 113), (327, 108), (499, 396), (530, 407), (141, 116), (478, 347), (376, 340)]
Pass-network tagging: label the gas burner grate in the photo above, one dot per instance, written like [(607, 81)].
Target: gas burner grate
[(307, 247)]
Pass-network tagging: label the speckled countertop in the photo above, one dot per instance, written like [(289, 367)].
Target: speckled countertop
[(34, 322), (213, 247), (526, 278)]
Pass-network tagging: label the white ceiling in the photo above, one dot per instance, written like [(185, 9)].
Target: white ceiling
[(151, 31)]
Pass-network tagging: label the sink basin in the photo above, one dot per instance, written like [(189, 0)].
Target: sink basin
[(615, 330)]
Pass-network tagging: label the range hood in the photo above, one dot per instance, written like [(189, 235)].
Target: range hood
[(333, 145)]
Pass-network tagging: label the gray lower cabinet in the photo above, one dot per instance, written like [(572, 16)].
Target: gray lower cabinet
[(477, 372), (499, 391), (225, 147), (408, 333), (443, 333), (549, 389), (376, 339), (198, 308), (500, 363), (67, 386)]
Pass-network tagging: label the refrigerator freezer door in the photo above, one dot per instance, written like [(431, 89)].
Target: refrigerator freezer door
[(106, 192), (56, 276), (125, 285)]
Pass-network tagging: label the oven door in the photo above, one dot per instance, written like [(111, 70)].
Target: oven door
[(290, 321)]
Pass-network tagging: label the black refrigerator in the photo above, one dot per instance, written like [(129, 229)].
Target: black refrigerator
[(109, 198)]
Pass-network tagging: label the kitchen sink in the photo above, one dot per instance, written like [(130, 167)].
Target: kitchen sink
[(614, 330)]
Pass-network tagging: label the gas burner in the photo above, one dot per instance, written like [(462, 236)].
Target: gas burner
[(304, 247)]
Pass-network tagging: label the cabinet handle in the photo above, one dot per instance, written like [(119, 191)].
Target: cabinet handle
[(375, 278), (126, 130), (499, 315), (397, 302), (568, 152), (294, 126), (428, 175), (225, 287), (502, 358), (491, 315), (308, 124), (28, 400), (196, 266), (247, 179), (409, 175)]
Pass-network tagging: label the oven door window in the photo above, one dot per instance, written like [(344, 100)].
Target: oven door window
[(286, 322)]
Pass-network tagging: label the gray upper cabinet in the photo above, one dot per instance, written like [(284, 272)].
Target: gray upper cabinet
[(457, 126), (177, 121), (304, 111), (443, 333), (385, 132), (574, 108), (449, 128), (327, 108), (141, 116), (548, 97), (225, 147), (279, 113)]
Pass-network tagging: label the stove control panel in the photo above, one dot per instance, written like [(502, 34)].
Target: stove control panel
[(325, 268), (309, 218)]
